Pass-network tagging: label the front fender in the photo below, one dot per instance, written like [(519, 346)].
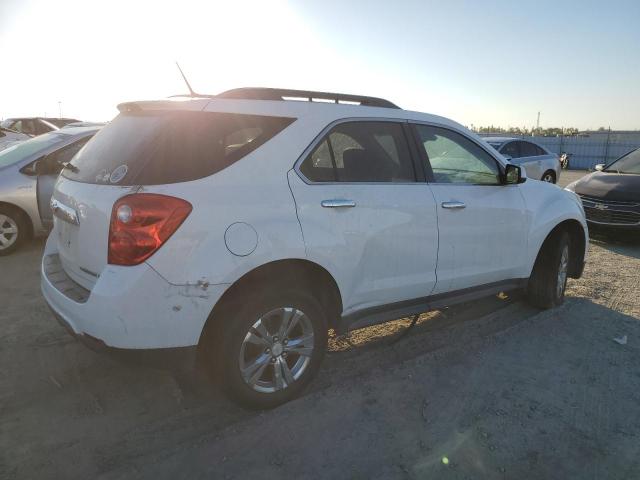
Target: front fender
[(547, 206)]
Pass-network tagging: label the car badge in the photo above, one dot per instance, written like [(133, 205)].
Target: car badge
[(600, 206), (118, 174)]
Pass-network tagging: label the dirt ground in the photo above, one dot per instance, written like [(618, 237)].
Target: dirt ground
[(491, 389)]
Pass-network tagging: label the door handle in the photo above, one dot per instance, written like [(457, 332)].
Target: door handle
[(453, 205), (338, 203)]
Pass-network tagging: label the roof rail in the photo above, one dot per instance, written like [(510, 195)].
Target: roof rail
[(284, 94)]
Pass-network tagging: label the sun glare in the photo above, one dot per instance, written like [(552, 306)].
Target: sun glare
[(126, 51)]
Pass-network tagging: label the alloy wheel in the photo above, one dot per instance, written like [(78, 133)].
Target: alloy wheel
[(562, 271), (276, 350), (8, 231), (548, 178)]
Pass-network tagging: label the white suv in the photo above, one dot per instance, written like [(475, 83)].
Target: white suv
[(249, 224)]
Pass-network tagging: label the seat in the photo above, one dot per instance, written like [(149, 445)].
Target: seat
[(364, 166)]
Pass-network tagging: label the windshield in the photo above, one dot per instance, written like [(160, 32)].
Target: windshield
[(22, 150), (629, 163)]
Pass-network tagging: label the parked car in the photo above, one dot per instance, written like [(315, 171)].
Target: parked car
[(84, 124), (611, 194), (10, 137), (36, 125), (537, 160), (248, 223), (28, 171)]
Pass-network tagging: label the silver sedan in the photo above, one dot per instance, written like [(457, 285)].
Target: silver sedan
[(536, 160), (28, 172)]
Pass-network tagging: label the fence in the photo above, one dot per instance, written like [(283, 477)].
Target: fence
[(588, 150)]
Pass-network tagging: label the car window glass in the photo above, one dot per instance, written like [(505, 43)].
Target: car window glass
[(28, 127), (318, 167), (341, 143), (41, 127), (540, 150), (57, 159), (629, 163), (454, 158), (362, 152), (17, 126), (162, 147), (511, 149), (528, 149), (23, 150)]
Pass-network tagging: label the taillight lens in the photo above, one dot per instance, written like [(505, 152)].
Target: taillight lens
[(141, 223)]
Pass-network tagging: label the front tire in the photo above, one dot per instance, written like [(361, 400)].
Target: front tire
[(13, 230), (269, 347), (548, 280)]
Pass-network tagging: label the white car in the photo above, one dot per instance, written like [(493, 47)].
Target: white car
[(537, 160), (10, 137), (247, 224)]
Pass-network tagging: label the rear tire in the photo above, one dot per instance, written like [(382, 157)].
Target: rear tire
[(549, 177), (13, 230), (548, 280), (258, 361)]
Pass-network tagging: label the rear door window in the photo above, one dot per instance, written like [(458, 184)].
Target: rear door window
[(361, 152), (511, 149), (540, 150), (157, 147), (528, 149)]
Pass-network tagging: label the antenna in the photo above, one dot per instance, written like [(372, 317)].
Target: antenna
[(191, 92)]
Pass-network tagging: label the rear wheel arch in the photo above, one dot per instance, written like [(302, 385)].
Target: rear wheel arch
[(280, 274)]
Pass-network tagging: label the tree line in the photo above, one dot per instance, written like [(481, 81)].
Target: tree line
[(546, 132)]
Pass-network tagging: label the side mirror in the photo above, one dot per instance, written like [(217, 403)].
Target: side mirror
[(514, 174), (600, 167)]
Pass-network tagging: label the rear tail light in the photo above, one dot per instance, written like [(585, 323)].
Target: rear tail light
[(141, 223)]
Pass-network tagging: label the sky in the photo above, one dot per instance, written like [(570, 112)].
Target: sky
[(478, 62)]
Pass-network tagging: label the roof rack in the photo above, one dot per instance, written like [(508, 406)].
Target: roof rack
[(285, 94)]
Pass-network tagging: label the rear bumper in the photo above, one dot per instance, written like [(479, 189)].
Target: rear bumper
[(169, 358), (128, 307)]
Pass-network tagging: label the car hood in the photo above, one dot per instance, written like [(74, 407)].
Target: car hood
[(610, 186)]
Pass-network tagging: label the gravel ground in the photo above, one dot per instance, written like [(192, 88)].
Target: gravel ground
[(492, 389)]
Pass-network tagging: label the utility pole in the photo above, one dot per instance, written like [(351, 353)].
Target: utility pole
[(538, 123), (60, 109)]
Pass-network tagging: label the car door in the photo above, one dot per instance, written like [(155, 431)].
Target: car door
[(481, 222), (364, 215), (48, 170)]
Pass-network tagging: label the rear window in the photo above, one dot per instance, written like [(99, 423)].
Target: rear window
[(153, 148)]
